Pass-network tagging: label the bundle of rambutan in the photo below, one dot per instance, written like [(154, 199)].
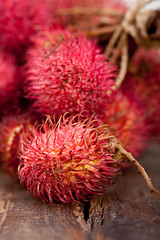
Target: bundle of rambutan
[(92, 129)]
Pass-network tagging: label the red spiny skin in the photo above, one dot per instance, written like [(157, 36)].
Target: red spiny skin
[(11, 127), (126, 116), (66, 162), (19, 20), (72, 78), (10, 82), (144, 81)]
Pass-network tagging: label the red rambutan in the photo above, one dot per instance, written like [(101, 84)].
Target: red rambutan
[(19, 20), (144, 81), (127, 116), (11, 127), (67, 74), (68, 161), (10, 82)]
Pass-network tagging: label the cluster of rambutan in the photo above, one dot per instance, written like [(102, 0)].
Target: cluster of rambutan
[(45, 69)]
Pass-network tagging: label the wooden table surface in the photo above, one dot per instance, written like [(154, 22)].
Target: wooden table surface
[(127, 211)]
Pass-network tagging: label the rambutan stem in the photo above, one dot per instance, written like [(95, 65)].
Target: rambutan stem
[(124, 61), (116, 145), (90, 11), (98, 31)]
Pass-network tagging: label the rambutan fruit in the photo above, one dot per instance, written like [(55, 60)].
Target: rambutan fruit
[(67, 162), (11, 127), (19, 20), (71, 160), (67, 73), (10, 82), (127, 116), (143, 80)]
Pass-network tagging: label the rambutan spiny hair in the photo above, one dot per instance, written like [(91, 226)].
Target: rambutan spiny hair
[(67, 162), (10, 82), (67, 73), (19, 20), (143, 80), (126, 114)]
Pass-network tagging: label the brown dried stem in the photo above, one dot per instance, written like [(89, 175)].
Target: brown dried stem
[(113, 40), (98, 31), (123, 63), (89, 11), (117, 146)]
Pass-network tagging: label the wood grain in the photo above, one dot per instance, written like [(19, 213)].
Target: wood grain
[(126, 211)]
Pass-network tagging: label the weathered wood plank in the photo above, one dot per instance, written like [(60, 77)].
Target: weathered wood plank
[(133, 212)]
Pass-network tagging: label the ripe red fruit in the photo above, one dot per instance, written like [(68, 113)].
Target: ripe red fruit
[(144, 81), (67, 162), (19, 20), (10, 82), (11, 127), (67, 74), (127, 116)]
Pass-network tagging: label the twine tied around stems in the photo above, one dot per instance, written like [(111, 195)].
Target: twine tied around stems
[(133, 24)]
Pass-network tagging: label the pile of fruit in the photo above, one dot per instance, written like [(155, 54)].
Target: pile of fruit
[(66, 130)]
